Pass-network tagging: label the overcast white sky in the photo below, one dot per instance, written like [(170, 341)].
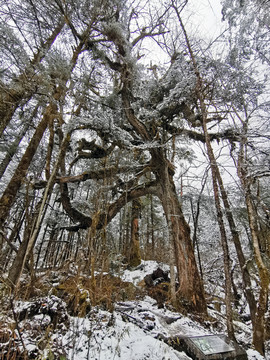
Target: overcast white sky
[(205, 18), (202, 19)]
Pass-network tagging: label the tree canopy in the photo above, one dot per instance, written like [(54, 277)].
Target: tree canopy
[(96, 129)]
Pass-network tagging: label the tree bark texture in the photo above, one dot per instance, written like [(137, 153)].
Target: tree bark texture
[(190, 294)]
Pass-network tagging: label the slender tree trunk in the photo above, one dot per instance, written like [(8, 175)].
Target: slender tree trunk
[(195, 217), (153, 245), (172, 266), (147, 236), (259, 323), (53, 259), (14, 271), (239, 251), (14, 146), (25, 249), (6, 252), (121, 231), (11, 190), (195, 239), (226, 259), (134, 252), (127, 230), (200, 96), (223, 235), (49, 150)]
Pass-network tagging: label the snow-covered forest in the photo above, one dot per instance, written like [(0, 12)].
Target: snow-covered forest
[(134, 177)]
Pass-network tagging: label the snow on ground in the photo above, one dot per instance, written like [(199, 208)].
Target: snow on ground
[(106, 336), (112, 338), (131, 332), (146, 267), (254, 355), (159, 321)]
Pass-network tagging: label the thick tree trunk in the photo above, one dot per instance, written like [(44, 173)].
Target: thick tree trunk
[(190, 292), (190, 295)]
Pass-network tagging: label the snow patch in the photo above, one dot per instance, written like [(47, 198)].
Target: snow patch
[(119, 342), (147, 267), (254, 355)]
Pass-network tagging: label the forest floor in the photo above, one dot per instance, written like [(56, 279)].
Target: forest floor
[(131, 320)]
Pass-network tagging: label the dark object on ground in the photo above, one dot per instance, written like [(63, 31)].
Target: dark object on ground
[(158, 276), (157, 285), (208, 347)]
